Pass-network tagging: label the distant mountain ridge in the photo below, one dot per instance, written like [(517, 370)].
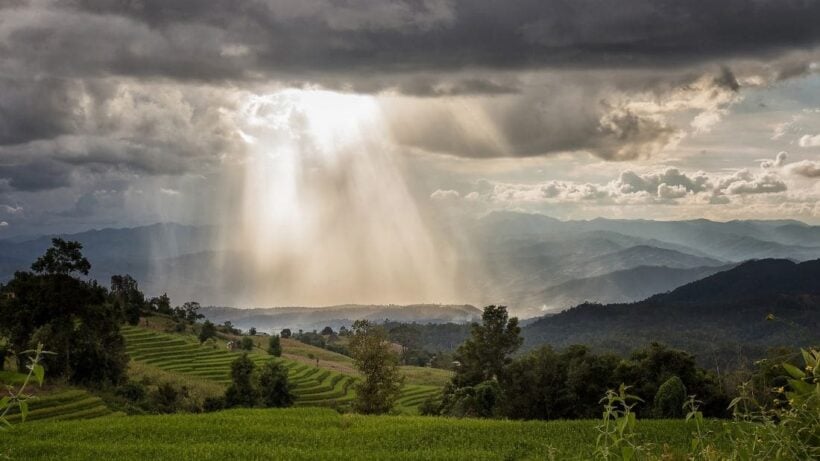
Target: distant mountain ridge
[(274, 319), (719, 318), (530, 262)]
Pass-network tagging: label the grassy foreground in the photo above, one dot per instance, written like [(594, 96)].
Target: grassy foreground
[(315, 434)]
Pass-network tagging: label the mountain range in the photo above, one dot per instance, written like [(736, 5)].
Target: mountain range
[(532, 263), (722, 318)]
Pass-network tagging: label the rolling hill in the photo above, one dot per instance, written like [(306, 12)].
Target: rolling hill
[(316, 318), (718, 318)]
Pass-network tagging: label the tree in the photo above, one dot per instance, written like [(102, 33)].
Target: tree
[(128, 297), (488, 351), (241, 392), (670, 398), (69, 315), (189, 311), (327, 331), (64, 257), (274, 388), (378, 364), (161, 304), (252, 331), (286, 333), (207, 331), (407, 336), (246, 344), (274, 346)]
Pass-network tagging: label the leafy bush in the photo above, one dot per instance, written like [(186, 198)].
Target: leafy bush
[(246, 344), (274, 388), (670, 398), (213, 404), (274, 346), (241, 392), (132, 391)]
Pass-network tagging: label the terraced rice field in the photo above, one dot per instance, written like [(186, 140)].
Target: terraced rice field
[(315, 434), (62, 406), (313, 386)]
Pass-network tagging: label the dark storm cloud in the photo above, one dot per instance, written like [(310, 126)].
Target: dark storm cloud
[(35, 175), (196, 39), (96, 86)]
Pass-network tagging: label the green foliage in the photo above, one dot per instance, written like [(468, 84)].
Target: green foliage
[(379, 366), (242, 392), (274, 346), (472, 401), (66, 314), (617, 436), (17, 398), (274, 387), (4, 349), (286, 333), (207, 331), (790, 428), (487, 353), (321, 434), (63, 258), (246, 343), (126, 294), (168, 398), (670, 399)]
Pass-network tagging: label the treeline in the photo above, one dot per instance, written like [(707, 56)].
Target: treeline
[(491, 381)]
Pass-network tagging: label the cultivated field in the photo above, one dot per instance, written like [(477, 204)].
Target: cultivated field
[(319, 434), (313, 386)]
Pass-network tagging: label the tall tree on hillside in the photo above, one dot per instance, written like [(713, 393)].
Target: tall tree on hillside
[(207, 331), (378, 364), (275, 346), (407, 336), (128, 297), (242, 392), (274, 388), (488, 351)]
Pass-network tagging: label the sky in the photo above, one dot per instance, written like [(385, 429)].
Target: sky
[(119, 113)]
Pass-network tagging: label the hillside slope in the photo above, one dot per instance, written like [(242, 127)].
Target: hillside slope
[(718, 318), (313, 385)]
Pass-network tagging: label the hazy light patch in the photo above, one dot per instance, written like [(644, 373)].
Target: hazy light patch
[(324, 214)]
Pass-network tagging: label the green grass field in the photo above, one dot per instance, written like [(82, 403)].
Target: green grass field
[(62, 405), (313, 386), (317, 434)]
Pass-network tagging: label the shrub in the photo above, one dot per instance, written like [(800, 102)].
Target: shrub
[(274, 346), (167, 398), (132, 391), (241, 392), (207, 331), (211, 404), (670, 398), (274, 388), (246, 344)]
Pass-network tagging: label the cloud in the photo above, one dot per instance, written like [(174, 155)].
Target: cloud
[(809, 141), (187, 39), (743, 182), (9, 209), (440, 194), (805, 168), (778, 162), (4, 224), (665, 187)]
